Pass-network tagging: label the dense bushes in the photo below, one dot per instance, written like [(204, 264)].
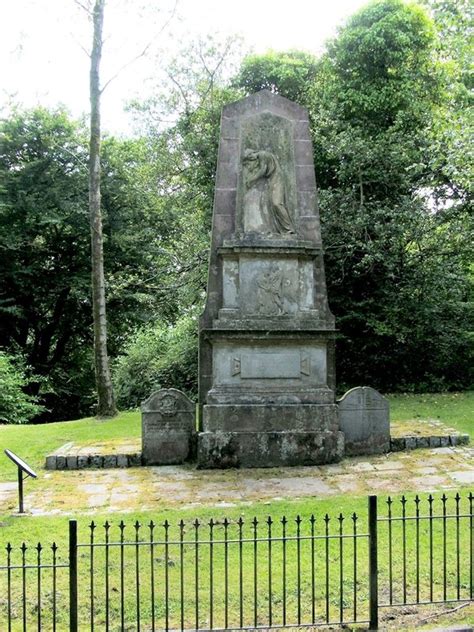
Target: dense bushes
[(158, 356), (16, 406)]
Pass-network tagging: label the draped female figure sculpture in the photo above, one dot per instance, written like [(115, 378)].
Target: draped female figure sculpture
[(263, 165)]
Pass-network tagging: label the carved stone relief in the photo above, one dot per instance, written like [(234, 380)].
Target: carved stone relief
[(168, 427), (269, 288), (266, 192), (270, 293)]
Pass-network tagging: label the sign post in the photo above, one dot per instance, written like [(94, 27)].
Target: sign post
[(24, 471)]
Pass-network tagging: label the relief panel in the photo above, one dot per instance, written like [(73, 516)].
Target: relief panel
[(266, 201), (306, 285), (269, 288)]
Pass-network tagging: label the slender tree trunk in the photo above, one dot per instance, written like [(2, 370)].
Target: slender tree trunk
[(105, 394)]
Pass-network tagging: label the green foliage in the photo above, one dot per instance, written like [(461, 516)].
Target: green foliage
[(383, 62), (393, 179), (150, 245), (44, 243), (183, 158), (16, 405), (397, 271), (452, 166), (389, 106), (289, 73), (158, 356)]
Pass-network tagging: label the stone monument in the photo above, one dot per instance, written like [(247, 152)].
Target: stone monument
[(266, 358), (168, 428), (364, 418)]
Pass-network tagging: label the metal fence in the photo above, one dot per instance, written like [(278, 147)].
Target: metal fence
[(244, 574)]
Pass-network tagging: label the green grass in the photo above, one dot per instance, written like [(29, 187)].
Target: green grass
[(34, 442), (453, 409), (167, 562)]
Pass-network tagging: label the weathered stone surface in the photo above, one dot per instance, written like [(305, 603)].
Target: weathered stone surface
[(271, 418), (422, 442), (82, 462), (364, 418), (134, 460), (122, 460), (103, 455), (397, 444), (60, 462), (168, 428), (266, 340), (110, 460), (71, 462), (410, 443), (461, 439), (97, 461), (50, 462), (268, 449)]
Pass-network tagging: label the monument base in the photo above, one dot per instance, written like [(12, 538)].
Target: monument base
[(263, 439)]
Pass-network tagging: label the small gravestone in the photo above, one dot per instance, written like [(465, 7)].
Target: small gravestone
[(168, 428), (364, 418)]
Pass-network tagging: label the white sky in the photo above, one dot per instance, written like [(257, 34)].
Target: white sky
[(42, 41)]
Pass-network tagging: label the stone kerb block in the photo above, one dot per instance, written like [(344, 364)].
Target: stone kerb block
[(168, 428), (364, 418)]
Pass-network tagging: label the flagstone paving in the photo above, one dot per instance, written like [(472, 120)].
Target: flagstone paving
[(148, 488)]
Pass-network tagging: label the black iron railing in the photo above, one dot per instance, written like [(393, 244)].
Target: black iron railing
[(244, 574), (29, 591), (437, 553), (222, 574)]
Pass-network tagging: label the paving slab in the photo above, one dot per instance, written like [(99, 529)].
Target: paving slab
[(154, 488), (466, 477), (389, 465)]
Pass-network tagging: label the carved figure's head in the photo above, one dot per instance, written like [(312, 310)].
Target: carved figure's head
[(250, 155)]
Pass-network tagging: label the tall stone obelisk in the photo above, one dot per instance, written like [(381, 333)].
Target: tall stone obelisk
[(266, 359)]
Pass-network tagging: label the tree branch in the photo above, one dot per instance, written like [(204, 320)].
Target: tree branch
[(84, 7), (143, 52), (441, 614)]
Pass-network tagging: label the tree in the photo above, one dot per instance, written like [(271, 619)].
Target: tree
[(44, 278), (183, 158), (452, 168), (16, 405), (105, 394), (291, 74), (396, 271), (45, 305)]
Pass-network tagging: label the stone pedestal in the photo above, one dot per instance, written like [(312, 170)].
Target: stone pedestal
[(266, 359), (269, 435)]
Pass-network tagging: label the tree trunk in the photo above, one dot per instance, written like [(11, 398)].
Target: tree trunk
[(105, 394)]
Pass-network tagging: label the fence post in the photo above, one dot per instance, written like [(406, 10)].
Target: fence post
[(373, 565), (73, 576)]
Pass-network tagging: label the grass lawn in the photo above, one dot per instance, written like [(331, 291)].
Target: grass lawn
[(453, 409), (172, 567), (33, 442), (175, 568)]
